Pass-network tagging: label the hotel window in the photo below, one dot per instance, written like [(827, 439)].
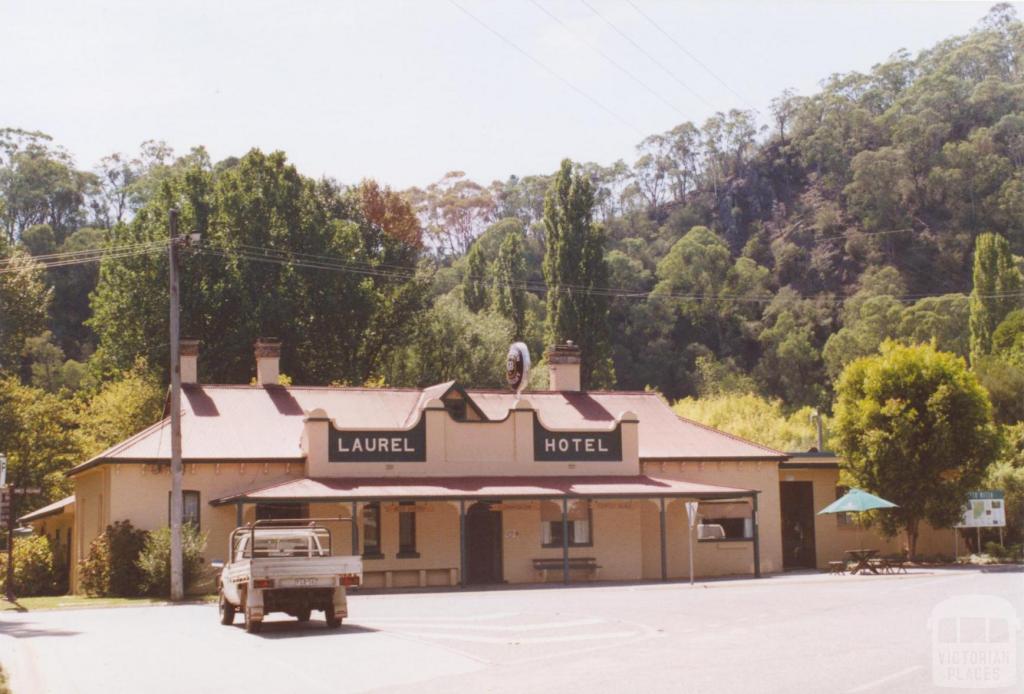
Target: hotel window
[(580, 524), (844, 520), (407, 530), (725, 521), (189, 508), (371, 531), (282, 511)]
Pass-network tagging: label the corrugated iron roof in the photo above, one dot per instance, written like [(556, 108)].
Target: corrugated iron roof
[(225, 422), (56, 508), (532, 487)]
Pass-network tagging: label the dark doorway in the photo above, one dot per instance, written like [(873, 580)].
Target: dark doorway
[(483, 544), (797, 500)]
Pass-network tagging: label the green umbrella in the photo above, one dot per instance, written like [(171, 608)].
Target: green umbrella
[(855, 501)]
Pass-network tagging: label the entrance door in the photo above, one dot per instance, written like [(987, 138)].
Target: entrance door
[(797, 525), (483, 544)]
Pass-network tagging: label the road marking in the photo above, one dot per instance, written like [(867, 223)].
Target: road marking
[(883, 680), (494, 627), (527, 640)]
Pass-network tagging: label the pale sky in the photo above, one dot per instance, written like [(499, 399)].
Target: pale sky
[(404, 91)]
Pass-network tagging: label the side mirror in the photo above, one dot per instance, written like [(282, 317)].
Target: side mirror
[(217, 564)]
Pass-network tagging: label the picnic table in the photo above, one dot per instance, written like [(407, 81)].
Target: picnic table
[(863, 558)]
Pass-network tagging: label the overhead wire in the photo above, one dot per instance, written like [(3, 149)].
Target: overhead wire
[(609, 59), (610, 292), (647, 53), (15, 264), (42, 257), (547, 69), (692, 57)]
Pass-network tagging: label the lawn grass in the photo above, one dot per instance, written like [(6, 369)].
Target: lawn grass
[(63, 602)]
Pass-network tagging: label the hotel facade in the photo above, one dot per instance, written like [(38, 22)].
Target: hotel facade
[(458, 486)]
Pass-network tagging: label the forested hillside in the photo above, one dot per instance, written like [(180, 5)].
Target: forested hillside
[(729, 256)]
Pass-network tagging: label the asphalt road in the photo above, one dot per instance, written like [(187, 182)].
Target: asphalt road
[(793, 633)]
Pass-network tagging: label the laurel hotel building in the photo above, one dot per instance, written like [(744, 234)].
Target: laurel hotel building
[(459, 486)]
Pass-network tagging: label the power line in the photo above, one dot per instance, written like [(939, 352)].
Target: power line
[(44, 257), (13, 265), (643, 50), (610, 292), (608, 58), (692, 57), (547, 69)]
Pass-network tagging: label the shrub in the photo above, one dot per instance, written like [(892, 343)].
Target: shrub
[(94, 570), (33, 567), (155, 559), (994, 549), (111, 568)]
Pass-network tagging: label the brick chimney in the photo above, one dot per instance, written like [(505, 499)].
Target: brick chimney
[(268, 360), (189, 354), (564, 367)]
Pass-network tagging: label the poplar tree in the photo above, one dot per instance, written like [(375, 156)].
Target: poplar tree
[(576, 274), (510, 284), (996, 292), (474, 287)]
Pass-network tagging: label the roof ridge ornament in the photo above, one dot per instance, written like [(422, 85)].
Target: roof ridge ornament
[(517, 367)]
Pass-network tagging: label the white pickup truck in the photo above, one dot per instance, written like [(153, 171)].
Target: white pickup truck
[(285, 566)]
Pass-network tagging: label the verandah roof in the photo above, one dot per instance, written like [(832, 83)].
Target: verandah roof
[(56, 508), (455, 488)]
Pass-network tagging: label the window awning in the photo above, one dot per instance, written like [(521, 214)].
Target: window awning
[(312, 490)]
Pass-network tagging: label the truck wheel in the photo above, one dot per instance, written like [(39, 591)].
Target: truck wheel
[(303, 614), (227, 611), (333, 622), (251, 625)]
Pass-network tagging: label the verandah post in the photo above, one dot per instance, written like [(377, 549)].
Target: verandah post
[(664, 557), (565, 539), (355, 529), (239, 514), (462, 543), (757, 537)]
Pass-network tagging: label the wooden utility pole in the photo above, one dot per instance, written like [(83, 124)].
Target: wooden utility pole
[(11, 515), (177, 575)]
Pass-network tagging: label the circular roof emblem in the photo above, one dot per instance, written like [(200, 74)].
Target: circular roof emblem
[(517, 366)]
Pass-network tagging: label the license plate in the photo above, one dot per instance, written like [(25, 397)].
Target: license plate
[(305, 582)]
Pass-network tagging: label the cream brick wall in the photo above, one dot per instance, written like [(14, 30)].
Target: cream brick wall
[(831, 540)]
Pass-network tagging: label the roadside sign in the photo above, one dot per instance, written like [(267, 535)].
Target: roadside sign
[(985, 509), (691, 512), (5, 506), (3, 469)]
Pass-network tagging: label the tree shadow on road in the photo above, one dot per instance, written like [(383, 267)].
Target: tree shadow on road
[(28, 630)]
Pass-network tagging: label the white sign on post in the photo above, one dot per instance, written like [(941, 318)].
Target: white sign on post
[(984, 510), (691, 514), (3, 470)]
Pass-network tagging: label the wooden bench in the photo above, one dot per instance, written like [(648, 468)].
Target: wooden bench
[(587, 564), (894, 564), (837, 567)]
